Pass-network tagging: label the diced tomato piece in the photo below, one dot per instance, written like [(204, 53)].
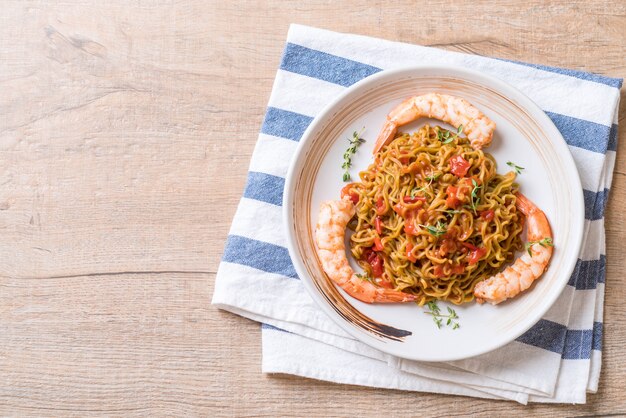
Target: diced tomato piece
[(413, 199), (377, 264), (378, 246), (458, 194), (404, 160), (410, 229), (476, 255), (378, 223), (452, 201), (409, 253), (409, 224), (439, 271), (348, 190), (380, 206), (459, 166), (377, 268), (487, 215)]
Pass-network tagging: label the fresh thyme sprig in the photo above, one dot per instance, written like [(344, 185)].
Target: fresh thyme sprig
[(431, 178), (438, 317), (515, 167), (546, 242), (474, 195), (445, 137), (436, 230), (355, 141)]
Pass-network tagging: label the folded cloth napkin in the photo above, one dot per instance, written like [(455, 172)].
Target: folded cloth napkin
[(557, 360)]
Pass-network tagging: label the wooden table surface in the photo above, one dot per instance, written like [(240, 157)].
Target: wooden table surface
[(125, 137)]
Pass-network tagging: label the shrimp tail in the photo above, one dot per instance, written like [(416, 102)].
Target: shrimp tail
[(385, 136), (393, 296), (369, 293), (538, 225)]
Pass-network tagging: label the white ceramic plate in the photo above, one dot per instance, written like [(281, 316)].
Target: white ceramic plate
[(524, 135)]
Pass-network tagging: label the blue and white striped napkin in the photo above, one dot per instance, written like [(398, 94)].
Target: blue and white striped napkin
[(557, 360)]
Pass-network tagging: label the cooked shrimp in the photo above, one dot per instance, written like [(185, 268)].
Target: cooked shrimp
[(453, 110), (526, 269), (334, 215)]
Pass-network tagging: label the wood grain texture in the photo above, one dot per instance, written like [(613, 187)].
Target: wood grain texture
[(125, 136)]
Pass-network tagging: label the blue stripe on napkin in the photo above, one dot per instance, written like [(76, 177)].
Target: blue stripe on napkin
[(612, 145), (609, 81), (577, 344), (581, 133), (551, 336), (265, 188), (545, 334), (259, 255), (595, 204), (597, 336), (285, 124), (310, 62), (602, 272), (587, 273)]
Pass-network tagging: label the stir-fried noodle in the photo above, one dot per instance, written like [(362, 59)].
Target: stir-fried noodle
[(433, 218)]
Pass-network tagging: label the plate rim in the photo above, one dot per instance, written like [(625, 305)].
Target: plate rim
[(484, 80)]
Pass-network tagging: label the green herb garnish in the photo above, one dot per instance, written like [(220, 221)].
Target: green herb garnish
[(432, 177), (474, 196), (515, 167), (445, 137), (546, 242), (438, 317), (355, 141), (436, 230)]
